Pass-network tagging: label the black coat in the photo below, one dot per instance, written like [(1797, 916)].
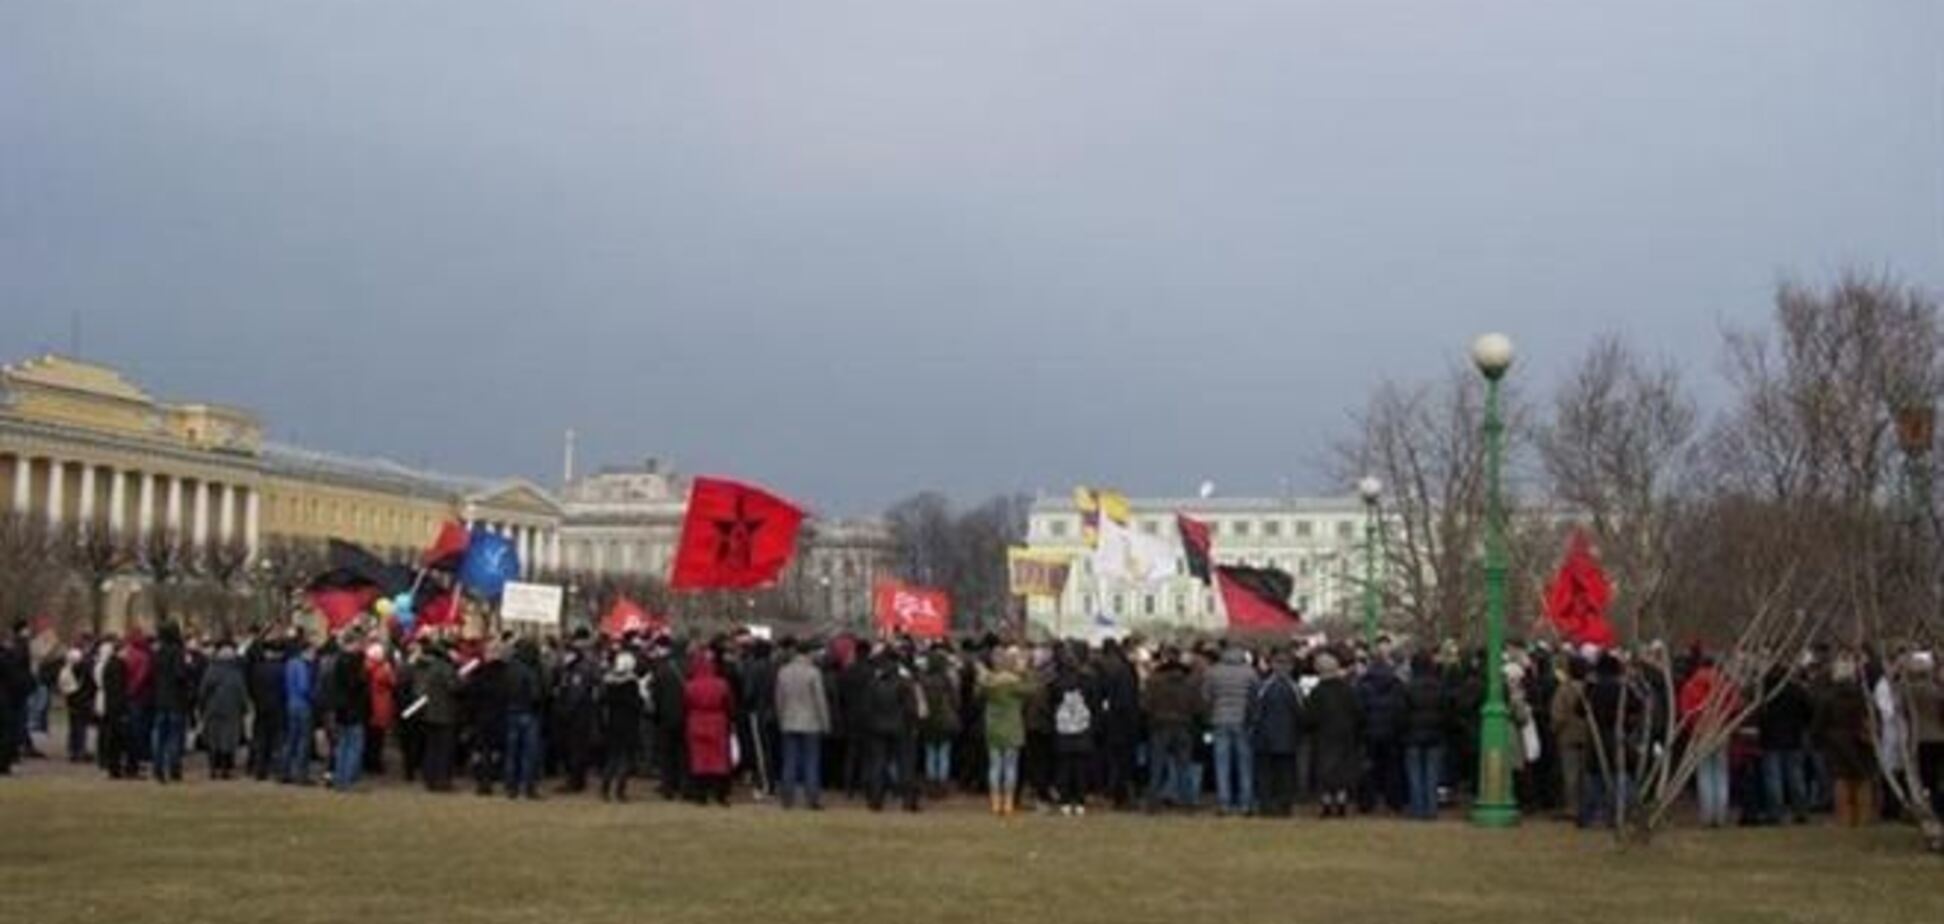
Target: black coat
[(171, 680), (1784, 720), (1072, 683), (267, 685), (667, 686), (352, 688), (1334, 719), (1428, 708), (1120, 697), (1276, 716), (891, 702), (621, 704), (1381, 696)]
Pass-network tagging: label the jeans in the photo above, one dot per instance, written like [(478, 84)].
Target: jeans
[(1790, 766), (1234, 769), (1711, 788), (169, 730), (1002, 771), (522, 753), (77, 743), (802, 768), (296, 746), (938, 762), (38, 704), (1171, 757), (1423, 765), (350, 756), (1597, 801)]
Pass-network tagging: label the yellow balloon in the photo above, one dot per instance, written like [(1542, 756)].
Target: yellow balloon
[(383, 607)]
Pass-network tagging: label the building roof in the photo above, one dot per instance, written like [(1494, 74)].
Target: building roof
[(374, 471), (1217, 505)]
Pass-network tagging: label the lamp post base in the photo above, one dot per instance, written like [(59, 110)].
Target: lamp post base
[(1497, 805)]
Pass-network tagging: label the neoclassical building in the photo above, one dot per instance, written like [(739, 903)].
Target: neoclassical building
[(1318, 540), (627, 521), (84, 449)]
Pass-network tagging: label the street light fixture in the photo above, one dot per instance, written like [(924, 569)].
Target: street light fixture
[(1370, 489), (1497, 805)]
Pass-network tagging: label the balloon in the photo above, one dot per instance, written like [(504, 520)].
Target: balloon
[(383, 607), (402, 603), (405, 620)]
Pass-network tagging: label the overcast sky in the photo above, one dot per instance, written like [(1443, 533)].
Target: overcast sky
[(859, 249)]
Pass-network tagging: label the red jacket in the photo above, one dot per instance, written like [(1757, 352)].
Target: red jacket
[(708, 729), (383, 709), (1694, 697)]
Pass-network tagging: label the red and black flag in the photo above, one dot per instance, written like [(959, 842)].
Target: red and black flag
[(1257, 599), (449, 549), (1195, 543), (734, 536)]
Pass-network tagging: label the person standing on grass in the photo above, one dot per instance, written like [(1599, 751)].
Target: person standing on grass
[(1571, 735), (1172, 702), (299, 684), (1917, 687), (619, 702), (265, 671), (1120, 723), (667, 688), (1707, 701), (523, 685), (708, 724), (1229, 687), (222, 700), (383, 683), (576, 716), (1275, 726), (436, 683), (803, 712), (111, 707), (170, 703), (1005, 689), (941, 725), (1784, 723), (1427, 720), (1076, 706), (351, 693), (1333, 717), (1840, 728), (14, 683), (75, 683)]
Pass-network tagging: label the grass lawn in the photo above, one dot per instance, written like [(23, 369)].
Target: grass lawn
[(76, 848)]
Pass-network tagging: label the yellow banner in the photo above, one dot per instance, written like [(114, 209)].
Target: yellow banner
[(1038, 572)]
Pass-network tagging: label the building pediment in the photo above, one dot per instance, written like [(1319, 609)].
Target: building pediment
[(515, 496)]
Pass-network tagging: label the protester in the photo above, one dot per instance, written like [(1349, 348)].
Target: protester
[(76, 686), (709, 723), (619, 703), (1707, 704), (1426, 723), (1840, 729), (222, 699), (1005, 689), (1174, 704), (940, 727), (1075, 702), (803, 712), (436, 709), (1229, 687), (1334, 719), (522, 684), (1275, 727)]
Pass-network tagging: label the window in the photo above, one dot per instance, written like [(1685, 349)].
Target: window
[(1272, 528), (1151, 527), (1057, 528), (1303, 565), (1147, 605), (1343, 529), (1302, 529), (1180, 604), (1087, 603), (1303, 603), (1242, 527), (1120, 604)]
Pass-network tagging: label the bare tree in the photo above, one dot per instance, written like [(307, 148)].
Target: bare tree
[(95, 556), (963, 553), (30, 567)]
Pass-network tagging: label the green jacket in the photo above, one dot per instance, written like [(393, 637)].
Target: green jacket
[(1005, 719)]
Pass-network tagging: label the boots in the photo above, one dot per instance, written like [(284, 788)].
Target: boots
[(998, 804)]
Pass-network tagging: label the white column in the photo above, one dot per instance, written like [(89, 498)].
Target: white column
[(23, 483), (172, 518), (199, 527), (86, 512), (252, 528), (117, 501), (145, 514), (553, 549), (56, 474), (226, 511)]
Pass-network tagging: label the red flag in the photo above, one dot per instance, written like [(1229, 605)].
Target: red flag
[(920, 612), (449, 547), (734, 536), (1256, 599), (627, 616), (439, 610), (341, 605), (1576, 601), (1195, 542)]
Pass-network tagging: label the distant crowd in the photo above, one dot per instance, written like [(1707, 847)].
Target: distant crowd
[(1057, 727)]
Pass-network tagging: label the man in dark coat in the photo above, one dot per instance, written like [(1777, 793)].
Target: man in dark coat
[(620, 707), (575, 716), (1173, 704), (1427, 720), (1120, 723), (522, 682), (1334, 719), (1275, 726), (1076, 705), (435, 682), (893, 704), (266, 679), (666, 686), (16, 682), (351, 697), (170, 703), (1783, 723), (853, 695), (1381, 695)]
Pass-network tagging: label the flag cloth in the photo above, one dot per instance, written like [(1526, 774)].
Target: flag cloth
[(341, 605), (1577, 599), (1256, 599), (920, 612), (734, 536), (491, 561), (1132, 557), (1095, 505), (1195, 545), (439, 610), (627, 616), (449, 549), (1036, 572), (358, 564)]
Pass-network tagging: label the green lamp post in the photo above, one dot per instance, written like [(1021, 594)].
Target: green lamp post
[(1496, 807), (1370, 489)]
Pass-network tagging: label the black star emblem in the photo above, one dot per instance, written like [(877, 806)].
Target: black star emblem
[(736, 537)]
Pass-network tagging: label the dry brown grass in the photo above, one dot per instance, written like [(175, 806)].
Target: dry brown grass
[(81, 849)]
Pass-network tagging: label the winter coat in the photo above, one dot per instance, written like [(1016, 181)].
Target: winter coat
[(892, 702), (1120, 697), (171, 667), (1277, 716), (854, 694), (114, 689), (666, 687), (941, 705), (140, 672), (1228, 687), (620, 706), (437, 681), (707, 722), (1173, 700), (1005, 709), (520, 684), (1077, 710), (1568, 709), (384, 702), (1841, 729), (351, 687), (1784, 720), (1427, 711), (1385, 707), (224, 697), (802, 706), (297, 684), (266, 675), (1334, 719), (1924, 698), (1698, 715)]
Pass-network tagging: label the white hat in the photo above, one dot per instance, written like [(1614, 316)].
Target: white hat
[(375, 652)]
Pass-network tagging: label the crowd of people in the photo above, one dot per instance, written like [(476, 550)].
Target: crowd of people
[(1124, 724)]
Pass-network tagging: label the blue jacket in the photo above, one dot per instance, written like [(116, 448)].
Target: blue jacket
[(297, 685)]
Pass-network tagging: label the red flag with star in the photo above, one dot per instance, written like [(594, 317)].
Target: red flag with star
[(735, 536)]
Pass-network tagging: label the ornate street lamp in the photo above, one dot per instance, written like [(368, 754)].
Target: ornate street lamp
[(1496, 806), (1370, 489)]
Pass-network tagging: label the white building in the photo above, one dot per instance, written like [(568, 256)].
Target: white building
[(1318, 540)]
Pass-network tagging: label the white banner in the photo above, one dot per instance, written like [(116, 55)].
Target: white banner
[(531, 603)]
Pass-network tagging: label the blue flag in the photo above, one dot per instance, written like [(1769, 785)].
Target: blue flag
[(491, 561)]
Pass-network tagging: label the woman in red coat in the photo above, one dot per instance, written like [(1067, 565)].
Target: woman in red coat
[(709, 728), (378, 671)]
